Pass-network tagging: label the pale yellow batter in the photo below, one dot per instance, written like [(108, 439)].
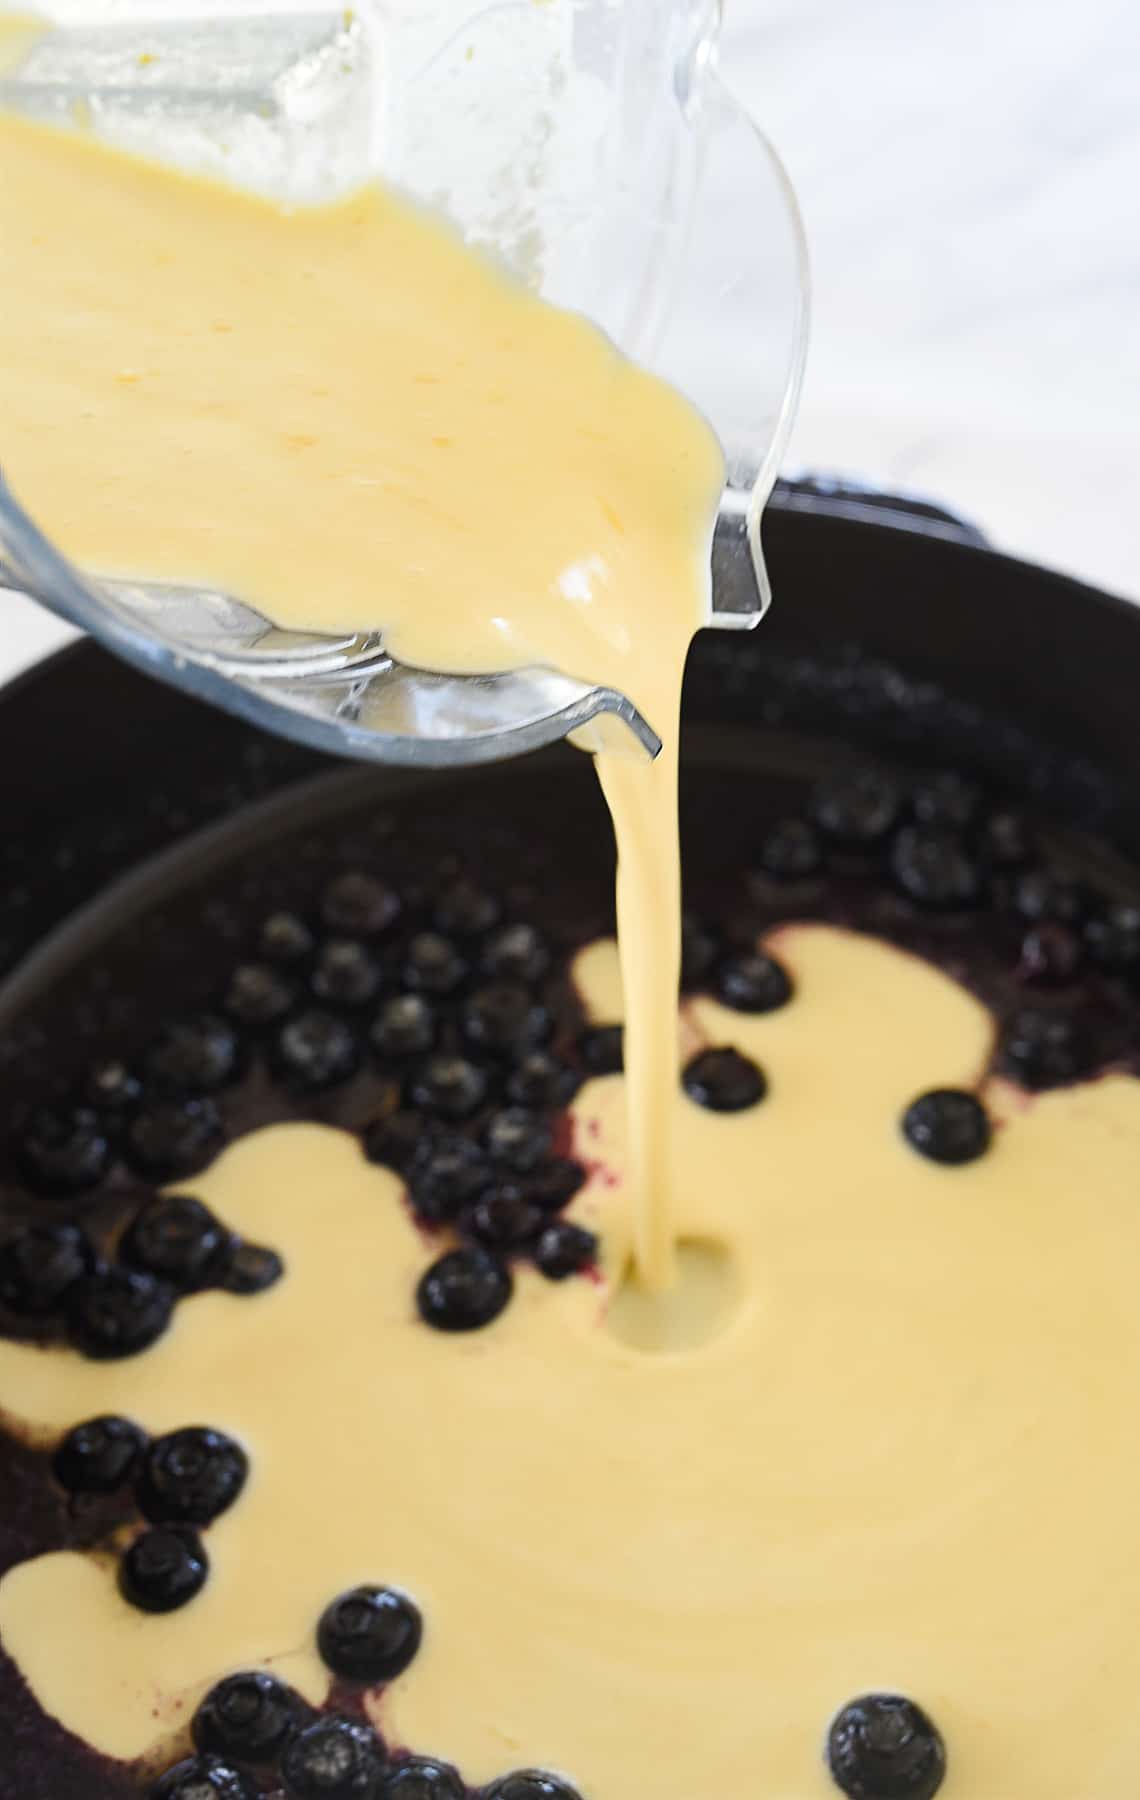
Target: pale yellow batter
[(903, 1456), (344, 416)]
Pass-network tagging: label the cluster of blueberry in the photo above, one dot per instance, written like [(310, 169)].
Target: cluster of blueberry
[(448, 1008), (499, 1189), (450, 1015), (181, 1483), (327, 1758), (253, 1729), (449, 1020), (940, 848), (498, 1186), (172, 1246)]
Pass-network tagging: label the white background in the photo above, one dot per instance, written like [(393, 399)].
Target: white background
[(969, 171), (970, 175)]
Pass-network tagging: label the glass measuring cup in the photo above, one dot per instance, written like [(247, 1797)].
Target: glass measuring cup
[(591, 146)]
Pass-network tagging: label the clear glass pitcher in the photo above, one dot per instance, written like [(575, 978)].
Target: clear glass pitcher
[(591, 145)]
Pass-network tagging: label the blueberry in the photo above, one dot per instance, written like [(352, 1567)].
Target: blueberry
[(517, 1139), (432, 964), (250, 1269), (857, 808), (530, 1784), (699, 948), (1113, 939), (516, 953), (791, 851), (934, 869), (63, 1149), (333, 1760), (1043, 894), (1051, 954), (395, 1139), (881, 1747), (466, 910), (40, 1266), (112, 1088), (191, 1476), (554, 1183), (369, 1634), (117, 1312), (1045, 1049), (450, 1086), (250, 1717), (315, 1050), (173, 1138), (178, 1239), (504, 1020), (405, 1026), (285, 938), (601, 1049), (193, 1056), (203, 1778), (422, 1778), (724, 1081), (259, 995), (464, 1290), (1005, 841), (947, 1125), (359, 906), (503, 1218), (565, 1249), (345, 973), (446, 1174), (945, 800), (753, 983), (540, 1079), (99, 1456), (163, 1569)]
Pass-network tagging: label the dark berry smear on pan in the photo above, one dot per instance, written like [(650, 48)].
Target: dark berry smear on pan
[(403, 973)]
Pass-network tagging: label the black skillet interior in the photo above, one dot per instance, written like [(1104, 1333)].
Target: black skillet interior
[(915, 640)]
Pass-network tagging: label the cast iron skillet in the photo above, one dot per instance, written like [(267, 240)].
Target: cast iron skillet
[(894, 628), (894, 624)]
